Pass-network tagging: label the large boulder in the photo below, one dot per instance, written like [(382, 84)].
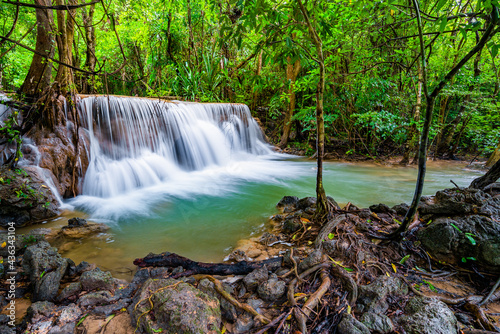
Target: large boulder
[(24, 197), (462, 226), (45, 267), (428, 316), (459, 239), (174, 307)]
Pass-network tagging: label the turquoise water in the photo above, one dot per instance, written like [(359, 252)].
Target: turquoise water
[(202, 215)]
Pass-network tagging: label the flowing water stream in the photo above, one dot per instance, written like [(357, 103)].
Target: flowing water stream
[(195, 178)]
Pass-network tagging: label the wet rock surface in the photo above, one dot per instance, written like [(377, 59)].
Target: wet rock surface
[(25, 198)]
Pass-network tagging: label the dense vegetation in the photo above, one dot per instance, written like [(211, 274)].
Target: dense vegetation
[(260, 53)]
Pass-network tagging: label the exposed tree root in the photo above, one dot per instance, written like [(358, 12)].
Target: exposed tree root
[(245, 307)]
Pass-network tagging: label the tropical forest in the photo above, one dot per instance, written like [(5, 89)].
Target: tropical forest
[(249, 166)]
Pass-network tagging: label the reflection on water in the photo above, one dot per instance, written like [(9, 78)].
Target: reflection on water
[(202, 214)]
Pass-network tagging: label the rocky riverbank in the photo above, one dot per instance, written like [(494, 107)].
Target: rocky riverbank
[(336, 276)]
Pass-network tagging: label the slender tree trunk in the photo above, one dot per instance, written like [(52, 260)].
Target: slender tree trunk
[(292, 70), (192, 47), (40, 72), (322, 210), (257, 73), (66, 33), (413, 130), (90, 58), (430, 99)]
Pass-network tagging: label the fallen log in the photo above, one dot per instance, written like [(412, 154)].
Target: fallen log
[(191, 267)]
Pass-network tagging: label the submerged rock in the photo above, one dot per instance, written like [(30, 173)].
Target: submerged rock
[(25, 198), (428, 316), (174, 307), (80, 228)]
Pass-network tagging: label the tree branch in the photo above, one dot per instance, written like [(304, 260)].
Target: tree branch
[(59, 7)]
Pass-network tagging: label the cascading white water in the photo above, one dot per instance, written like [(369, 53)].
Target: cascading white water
[(139, 142)]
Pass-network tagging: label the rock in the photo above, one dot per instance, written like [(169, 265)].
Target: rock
[(452, 239), (97, 280), (243, 324), (268, 239), (272, 289), (7, 329), (70, 290), (373, 297), (311, 260), (427, 316), (401, 209), (306, 202), (77, 231), (95, 298), (329, 246), (381, 208), (77, 222), (454, 202), (256, 303), (287, 203), (111, 308), (333, 203), (70, 313), (377, 323), (46, 268), (39, 310), (228, 311), (255, 278), (63, 329), (291, 225), (349, 325), (176, 308), (464, 318), (22, 242), (25, 197)]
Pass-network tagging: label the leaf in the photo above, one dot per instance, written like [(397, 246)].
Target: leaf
[(394, 267), (441, 3), (81, 320), (305, 220), (455, 226), (471, 239), (444, 22), (331, 236), (494, 50), (403, 260), (4, 244)]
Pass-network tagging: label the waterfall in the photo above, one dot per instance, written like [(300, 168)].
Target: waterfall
[(141, 142)]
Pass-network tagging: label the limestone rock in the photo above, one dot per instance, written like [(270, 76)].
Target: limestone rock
[(97, 280), (177, 307), (25, 198), (46, 268), (428, 316)]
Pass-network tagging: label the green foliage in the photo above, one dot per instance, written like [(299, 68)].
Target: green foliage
[(239, 50)]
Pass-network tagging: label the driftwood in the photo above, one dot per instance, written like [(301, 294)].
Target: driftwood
[(173, 260)]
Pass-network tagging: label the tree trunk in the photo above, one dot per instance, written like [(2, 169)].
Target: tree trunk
[(40, 72), (490, 177), (413, 131), (257, 73), (90, 60), (66, 33), (292, 70), (430, 99), (322, 210), (494, 157)]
